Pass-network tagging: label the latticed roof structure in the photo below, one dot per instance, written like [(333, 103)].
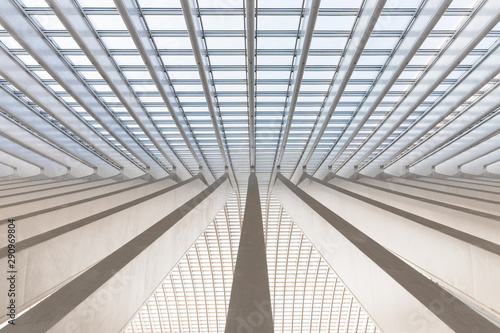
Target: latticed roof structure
[(129, 130)]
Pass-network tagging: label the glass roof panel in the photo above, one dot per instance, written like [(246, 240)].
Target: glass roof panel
[(66, 43), (275, 22), (96, 3), (223, 22), (48, 22), (166, 22), (119, 42), (107, 22)]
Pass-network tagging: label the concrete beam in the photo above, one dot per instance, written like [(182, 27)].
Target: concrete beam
[(107, 295), (250, 303), (461, 254), (25, 205), (46, 256), (395, 295)]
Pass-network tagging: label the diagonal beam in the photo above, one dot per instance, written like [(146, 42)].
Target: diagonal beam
[(21, 78), (472, 148), (190, 10), (7, 171), (250, 303), (391, 283), (304, 46), (25, 115), (478, 26), (24, 168), (250, 39), (139, 265), (435, 125), (299, 74), (52, 167), (33, 40), (475, 166), (22, 135), (135, 23), (360, 35), (73, 18), (427, 18), (427, 155)]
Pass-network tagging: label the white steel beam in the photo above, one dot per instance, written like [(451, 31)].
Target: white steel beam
[(36, 203), (71, 16), (52, 168), (472, 148), (437, 192), (190, 10), (7, 170), (299, 73), (360, 34), (18, 25), (304, 45), (250, 40), (22, 136), (24, 115), (65, 212), (24, 168), (478, 27), (19, 77), (474, 82), (134, 21), (427, 18), (45, 269), (482, 222), (468, 263), (475, 165)]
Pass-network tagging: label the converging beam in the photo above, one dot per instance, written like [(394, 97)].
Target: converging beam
[(250, 303), (250, 20), (393, 292), (128, 275)]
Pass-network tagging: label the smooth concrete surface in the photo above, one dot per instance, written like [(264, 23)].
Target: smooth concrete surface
[(128, 275), (51, 258), (13, 183), (475, 203), (250, 302), (32, 224), (30, 193), (479, 224), (472, 266), (396, 296), (28, 188), (459, 183), (479, 194), (42, 204)]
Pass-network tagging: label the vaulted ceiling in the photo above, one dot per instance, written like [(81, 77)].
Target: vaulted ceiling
[(177, 86)]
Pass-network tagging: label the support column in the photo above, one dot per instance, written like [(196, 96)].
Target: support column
[(397, 296), (250, 303), (128, 275)]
